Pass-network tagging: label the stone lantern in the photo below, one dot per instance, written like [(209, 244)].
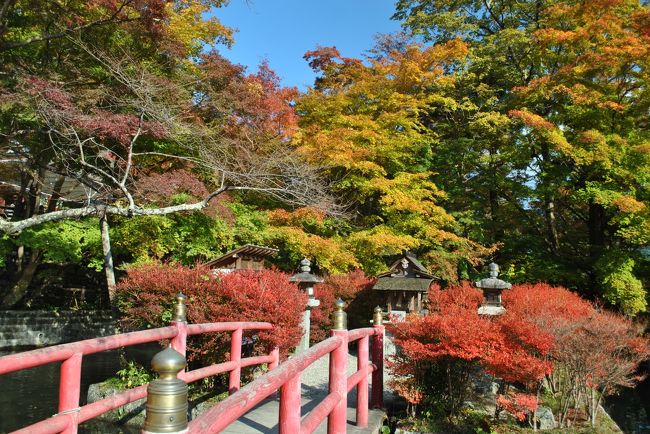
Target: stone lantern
[(492, 288), (306, 281)]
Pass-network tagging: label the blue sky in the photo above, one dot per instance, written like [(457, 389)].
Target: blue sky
[(283, 30)]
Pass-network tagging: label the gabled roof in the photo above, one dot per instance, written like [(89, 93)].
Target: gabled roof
[(247, 250), (402, 284), (419, 269)]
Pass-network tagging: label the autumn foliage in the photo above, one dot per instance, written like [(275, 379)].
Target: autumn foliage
[(546, 333), (146, 296)]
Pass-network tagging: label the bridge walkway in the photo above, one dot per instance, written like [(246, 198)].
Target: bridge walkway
[(263, 419)]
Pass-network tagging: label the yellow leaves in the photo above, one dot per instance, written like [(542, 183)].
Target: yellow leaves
[(330, 254), (409, 192), (643, 148), (419, 66), (188, 25), (381, 241)]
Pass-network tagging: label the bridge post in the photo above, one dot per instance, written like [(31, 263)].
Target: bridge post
[(337, 419), (377, 399), (179, 342), (69, 390), (234, 379), (166, 409), (362, 387), (290, 406)]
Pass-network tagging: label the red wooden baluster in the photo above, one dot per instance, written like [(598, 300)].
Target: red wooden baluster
[(290, 406), (377, 400), (362, 387), (337, 419), (235, 356), (69, 389)]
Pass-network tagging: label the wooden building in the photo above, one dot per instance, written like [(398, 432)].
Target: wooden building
[(248, 257), (405, 285)]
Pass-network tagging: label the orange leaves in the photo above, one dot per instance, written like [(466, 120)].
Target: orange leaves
[(532, 120), (507, 348), (296, 217), (418, 66), (628, 204)]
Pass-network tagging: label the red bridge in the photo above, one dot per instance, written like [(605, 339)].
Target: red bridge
[(167, 403)]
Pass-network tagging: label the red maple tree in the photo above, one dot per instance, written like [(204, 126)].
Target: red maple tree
[(146, 296)]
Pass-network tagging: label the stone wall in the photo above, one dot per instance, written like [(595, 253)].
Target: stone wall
[(41, 328)]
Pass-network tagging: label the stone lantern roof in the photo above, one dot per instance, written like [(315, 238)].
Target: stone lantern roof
[(492, 282), (305, 275)]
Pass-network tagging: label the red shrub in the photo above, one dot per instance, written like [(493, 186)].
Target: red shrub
[(146, 296), (543, 328), (455, 335)]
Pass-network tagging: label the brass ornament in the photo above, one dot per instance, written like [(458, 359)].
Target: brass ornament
[(180, 308), (166, 409), (378, 316), (340, 318)]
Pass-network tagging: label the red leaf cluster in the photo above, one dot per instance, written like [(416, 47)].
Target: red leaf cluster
[(146, 296), (543, 327), (159, 187), (102, 124), (518, 404)]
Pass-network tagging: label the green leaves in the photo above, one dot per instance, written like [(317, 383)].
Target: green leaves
[(68, 241)]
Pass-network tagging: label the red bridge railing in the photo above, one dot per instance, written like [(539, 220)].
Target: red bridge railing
[(285, 377), (70, 414)]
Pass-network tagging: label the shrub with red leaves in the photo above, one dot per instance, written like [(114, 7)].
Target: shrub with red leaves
[(453, 342), (544, 328), (146, 296), (592, 349)]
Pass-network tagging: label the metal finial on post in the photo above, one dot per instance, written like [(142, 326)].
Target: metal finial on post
[(340, 318), (378, 316), (166, 409), (180, 308)]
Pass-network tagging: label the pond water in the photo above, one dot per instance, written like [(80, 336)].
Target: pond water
[(32, 394)]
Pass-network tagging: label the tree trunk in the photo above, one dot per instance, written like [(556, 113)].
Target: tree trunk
[(19, 289), (551, 224), (109, 269), (597, 226), (549, 207), (29, 207)]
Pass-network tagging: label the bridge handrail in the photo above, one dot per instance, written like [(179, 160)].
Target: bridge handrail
[(237, 404), (70, 414), (287, 378), (59, 353)]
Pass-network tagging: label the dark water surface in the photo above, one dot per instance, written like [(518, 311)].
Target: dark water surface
[(33, 394)]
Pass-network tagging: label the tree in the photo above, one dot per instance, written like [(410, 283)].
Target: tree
[(594, 352), (454, 342), (109, 121), (362, 121), (546, 154)]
